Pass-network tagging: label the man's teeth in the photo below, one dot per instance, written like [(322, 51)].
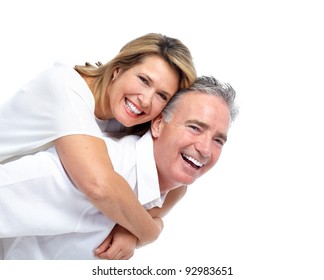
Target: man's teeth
[(193, 160), (132, 108)]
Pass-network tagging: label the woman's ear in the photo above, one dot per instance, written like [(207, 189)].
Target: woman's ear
[(116, 73), (156, 126)]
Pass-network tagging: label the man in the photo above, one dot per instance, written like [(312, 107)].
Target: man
[(49, 218)]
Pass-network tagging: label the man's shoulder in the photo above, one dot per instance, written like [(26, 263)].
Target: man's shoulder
[(120, 138)]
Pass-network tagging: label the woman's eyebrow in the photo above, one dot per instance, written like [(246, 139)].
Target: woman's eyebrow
[(152, 81)]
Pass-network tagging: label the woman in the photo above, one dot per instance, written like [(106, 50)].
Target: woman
[(58, 107)]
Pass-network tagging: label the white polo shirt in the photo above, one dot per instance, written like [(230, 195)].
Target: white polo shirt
[(42, 214)]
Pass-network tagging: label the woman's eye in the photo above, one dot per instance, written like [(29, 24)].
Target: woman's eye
[(163, 96), (145, 81)]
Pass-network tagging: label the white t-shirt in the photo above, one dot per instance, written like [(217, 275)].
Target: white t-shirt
[(42, 214), (56, 103)]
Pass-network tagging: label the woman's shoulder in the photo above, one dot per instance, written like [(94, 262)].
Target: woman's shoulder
[(54, 74), (59, 68)]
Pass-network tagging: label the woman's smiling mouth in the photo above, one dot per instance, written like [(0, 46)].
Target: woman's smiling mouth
[(132, 108)]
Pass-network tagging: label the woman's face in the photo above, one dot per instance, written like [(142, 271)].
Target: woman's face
[(139, 94)]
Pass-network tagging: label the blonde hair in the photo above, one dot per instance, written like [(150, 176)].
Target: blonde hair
[(172, 50)]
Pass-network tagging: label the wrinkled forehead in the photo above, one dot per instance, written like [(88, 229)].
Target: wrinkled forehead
[(209, 109), (197, 102)]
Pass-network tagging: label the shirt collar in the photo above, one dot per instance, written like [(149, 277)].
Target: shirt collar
[(147, 177)]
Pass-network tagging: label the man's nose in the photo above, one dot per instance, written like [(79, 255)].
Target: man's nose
[(203, 146)]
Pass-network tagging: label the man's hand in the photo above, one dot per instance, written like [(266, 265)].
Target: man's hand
[(119, 245)]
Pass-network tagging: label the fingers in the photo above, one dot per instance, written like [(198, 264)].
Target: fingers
[(104, 246), (119, 245), (115, 254), (108, 251)]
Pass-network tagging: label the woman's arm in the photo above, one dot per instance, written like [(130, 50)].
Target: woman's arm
[(86, 160)]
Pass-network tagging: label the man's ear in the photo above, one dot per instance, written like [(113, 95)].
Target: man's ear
[(156, 126)]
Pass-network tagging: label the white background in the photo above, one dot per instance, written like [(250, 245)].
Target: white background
[(260, 210)]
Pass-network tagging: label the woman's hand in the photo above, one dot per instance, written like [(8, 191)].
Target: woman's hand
[(119, 245)]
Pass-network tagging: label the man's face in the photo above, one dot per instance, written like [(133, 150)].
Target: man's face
[(191, 143)]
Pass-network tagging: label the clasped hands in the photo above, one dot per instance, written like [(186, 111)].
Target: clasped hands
[(120, 244)]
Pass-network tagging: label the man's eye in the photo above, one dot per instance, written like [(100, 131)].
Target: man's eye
[(193, 127), (219, 141)]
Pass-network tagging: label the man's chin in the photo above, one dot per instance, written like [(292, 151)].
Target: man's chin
[(188, 181)]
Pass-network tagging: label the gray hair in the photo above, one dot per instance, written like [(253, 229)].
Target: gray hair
[(206, 85)]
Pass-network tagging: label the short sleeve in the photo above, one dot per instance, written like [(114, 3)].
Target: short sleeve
[(56, 103)]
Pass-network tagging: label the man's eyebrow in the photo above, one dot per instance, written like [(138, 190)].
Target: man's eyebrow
[(206, 126), (222, 136), (197, 122)]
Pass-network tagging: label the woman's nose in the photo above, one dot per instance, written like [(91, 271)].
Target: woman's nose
[(145, 98)]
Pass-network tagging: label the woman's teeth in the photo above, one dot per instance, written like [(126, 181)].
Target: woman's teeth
[(132, 108)]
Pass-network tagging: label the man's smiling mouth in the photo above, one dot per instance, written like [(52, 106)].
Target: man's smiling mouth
[(192, 161)]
